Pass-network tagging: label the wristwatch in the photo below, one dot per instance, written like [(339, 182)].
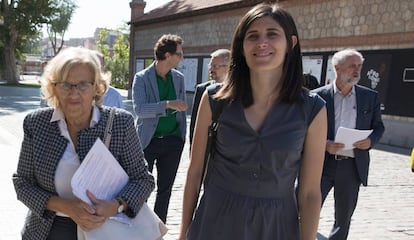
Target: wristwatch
[(121, 205)]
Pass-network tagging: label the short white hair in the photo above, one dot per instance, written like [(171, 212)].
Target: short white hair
[(221, 53), (340, 56)]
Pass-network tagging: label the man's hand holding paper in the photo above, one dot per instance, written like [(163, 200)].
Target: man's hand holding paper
[(363, 144), (333, 147), (349, 137), (352, 138)]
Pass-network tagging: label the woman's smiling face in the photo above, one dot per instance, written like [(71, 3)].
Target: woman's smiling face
[(265, 45)]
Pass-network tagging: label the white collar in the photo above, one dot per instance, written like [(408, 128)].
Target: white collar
[(58, 115), (336, 90)]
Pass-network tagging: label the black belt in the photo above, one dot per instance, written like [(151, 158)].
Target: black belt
[(163, 136), (341, 157)]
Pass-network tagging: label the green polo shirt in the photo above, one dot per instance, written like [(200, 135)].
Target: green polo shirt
[(167, 125)]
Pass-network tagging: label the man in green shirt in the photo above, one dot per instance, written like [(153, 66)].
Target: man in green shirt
[(159, 103)]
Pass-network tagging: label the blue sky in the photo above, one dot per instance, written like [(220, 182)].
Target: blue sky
[(92, 14)]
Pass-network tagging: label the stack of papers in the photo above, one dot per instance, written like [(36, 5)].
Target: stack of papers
[(102, 175), (349, 136)]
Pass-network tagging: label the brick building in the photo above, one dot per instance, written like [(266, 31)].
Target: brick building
[(382, 30)]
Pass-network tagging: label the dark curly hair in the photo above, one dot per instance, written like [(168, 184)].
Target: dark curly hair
[(166, 43)]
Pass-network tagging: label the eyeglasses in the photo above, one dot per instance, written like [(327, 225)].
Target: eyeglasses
[(81, 86), (217, 65)]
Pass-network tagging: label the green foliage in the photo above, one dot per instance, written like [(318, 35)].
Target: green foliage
[(25, 15), (59, 22), (116, 58), (32, 45), (102, 45), (21, 21)]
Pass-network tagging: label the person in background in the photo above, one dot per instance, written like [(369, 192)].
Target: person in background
[(57, 139), (159, 103), (309, 81), (111, 98), (269, 130), (352, 106), (217, 68)]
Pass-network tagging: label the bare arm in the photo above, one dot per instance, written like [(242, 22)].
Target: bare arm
[(196, 164), (309, 192)]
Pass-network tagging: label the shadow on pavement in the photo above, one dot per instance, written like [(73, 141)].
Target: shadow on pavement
[(393, 149)]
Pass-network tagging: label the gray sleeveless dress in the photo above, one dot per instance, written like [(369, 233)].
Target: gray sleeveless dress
[(249, 189)]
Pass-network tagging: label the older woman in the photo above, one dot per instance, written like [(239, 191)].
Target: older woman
[(57, 139)]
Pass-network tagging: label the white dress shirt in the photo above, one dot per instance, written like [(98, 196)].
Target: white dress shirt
[(345, 111)]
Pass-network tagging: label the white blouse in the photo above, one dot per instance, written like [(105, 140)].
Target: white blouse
[(69, 162)]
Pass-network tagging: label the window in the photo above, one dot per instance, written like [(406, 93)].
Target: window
[(408, 75)]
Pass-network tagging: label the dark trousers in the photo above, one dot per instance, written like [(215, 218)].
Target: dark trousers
[(166, 154), (343, 177), (63, 228)]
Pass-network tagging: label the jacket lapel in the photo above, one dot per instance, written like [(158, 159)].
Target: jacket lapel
[(331, 112), (50, 155), (153, 82), (87, 137), (177, 85), (359, 102)]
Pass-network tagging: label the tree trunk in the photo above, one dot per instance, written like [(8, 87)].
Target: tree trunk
[(10, 71)]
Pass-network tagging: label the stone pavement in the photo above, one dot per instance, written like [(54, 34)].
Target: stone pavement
[(385, 209)]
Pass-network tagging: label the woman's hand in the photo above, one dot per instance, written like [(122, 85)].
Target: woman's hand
[(91, 217), (103, 208), (85, 215)]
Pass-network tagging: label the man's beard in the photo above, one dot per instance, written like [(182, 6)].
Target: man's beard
[(351, 80)]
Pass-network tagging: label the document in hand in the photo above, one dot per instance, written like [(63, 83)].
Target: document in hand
[(349, 136), (101, 174)]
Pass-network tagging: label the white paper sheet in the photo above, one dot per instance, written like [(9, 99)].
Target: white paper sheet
[(349, 136), (100, 173)]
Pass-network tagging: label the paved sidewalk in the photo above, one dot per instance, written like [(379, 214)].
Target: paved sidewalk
[(385, 209)]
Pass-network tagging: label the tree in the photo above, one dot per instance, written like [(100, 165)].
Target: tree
[(59, 22), (32, 45), (21, 21), (117, 58), (102, 45)]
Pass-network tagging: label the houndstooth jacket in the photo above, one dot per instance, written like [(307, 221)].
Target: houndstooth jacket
[(43, 147)]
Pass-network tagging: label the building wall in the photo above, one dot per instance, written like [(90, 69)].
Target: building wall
[(323, 25), (201, 34), (364, 24)]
